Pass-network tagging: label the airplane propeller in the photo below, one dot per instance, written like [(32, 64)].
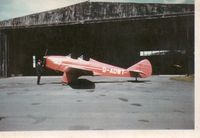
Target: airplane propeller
[(44, 59)]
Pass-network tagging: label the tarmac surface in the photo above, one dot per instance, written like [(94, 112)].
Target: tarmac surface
[(95, 103)]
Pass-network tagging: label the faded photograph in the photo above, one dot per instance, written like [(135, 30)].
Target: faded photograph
[(96, 65)]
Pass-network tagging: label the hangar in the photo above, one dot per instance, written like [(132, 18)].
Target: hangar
[(118, 33)]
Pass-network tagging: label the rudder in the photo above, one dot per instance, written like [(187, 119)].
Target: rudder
[(143, 67)]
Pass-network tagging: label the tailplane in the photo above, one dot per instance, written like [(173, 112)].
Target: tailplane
[(143, 68)]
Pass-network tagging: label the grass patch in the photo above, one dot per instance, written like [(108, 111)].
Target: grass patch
[(183, 78)]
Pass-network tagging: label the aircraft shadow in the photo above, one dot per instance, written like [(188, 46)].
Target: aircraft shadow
[(87, 84), (77, 84), (133, 81), (138, 81), (82, 84)]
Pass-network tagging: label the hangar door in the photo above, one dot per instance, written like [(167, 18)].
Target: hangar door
[(3, 55)]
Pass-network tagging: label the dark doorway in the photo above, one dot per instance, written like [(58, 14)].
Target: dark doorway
[(117, 43), (3, 55)]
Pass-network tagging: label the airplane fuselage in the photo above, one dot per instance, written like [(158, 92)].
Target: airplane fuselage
[(63, 63), (74, 68)]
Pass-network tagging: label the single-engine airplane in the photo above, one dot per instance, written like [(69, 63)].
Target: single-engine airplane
[(74, 68)]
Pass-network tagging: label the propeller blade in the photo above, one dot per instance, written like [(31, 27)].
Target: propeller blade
[(44, 59)]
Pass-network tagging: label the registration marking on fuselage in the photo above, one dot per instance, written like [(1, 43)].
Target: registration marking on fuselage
[(113, 70)]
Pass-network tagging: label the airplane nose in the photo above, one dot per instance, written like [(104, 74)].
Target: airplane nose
[(48, 62), (51, 63)]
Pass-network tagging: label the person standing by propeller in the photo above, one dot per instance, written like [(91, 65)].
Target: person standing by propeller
[(40, 67), (39, 70)]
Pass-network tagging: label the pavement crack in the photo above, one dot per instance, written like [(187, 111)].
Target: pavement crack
[(2, 117), (143, 120), (79, 127), (136, 104), (35, 104), (123, 99), (90, 90), (11, 93), (179, 111), (37, 119)]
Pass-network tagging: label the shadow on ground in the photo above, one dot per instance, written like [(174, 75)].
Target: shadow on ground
[(87, 84), (82, 84), (133, 81)]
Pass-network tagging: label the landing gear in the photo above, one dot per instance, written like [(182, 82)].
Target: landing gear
[(64, 84)]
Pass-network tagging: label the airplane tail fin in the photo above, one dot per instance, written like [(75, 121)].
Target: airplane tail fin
[(143, 68)]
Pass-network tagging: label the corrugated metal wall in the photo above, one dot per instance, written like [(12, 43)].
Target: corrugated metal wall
[(116, 43), (3, 55)]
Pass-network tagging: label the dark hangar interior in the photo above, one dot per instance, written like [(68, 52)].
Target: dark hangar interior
[(116, 33)]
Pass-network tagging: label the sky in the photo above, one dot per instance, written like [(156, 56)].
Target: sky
[(16, 8)]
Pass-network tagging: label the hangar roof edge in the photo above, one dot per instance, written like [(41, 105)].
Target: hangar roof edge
[(93, 11), (149, 1), (190, 2)]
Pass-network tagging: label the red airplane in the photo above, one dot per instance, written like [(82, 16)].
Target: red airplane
[(74, 68)]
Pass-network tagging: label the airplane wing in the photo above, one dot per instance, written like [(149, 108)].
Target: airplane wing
[(72, 72), (77, 69)]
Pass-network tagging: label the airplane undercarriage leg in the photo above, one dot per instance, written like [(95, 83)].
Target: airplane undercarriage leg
[(68, 78), (65, 78)]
